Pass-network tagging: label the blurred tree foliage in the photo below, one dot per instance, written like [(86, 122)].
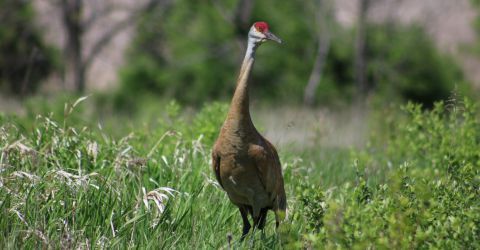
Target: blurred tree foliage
[(190, 54), (404, 62), (476, 25), (24, 58)]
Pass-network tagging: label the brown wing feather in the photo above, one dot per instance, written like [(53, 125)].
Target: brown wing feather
[(268, 166), (216, 167), (279, 189), (259, 156)]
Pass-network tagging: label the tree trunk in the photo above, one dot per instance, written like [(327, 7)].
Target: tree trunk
[(316, 75), (74, 77), (241, 20), (324, 37), (360, 49), (77, 61)]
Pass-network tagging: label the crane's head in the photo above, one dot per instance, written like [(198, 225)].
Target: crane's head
[(259, 33)]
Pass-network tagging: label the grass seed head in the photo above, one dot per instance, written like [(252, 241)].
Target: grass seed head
[(159, 196)]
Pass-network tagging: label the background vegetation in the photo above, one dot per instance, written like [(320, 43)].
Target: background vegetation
[(69, 184), (130, 167), (198, 46), (404, 63), (25, 58)]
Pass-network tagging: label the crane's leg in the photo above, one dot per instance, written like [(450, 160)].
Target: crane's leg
[(277, 219), (246, 223), (263, 218), (256, 216)]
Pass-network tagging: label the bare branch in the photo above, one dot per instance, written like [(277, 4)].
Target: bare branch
[(243, 13), (323, 16), (122, 25), (360, 48), (96, 15), (239, 19)]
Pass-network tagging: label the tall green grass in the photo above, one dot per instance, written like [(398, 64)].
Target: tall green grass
[(67, 182)]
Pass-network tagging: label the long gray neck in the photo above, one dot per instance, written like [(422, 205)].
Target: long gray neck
[(239, 108)]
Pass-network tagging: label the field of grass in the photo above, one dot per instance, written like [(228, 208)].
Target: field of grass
[(76, 179)]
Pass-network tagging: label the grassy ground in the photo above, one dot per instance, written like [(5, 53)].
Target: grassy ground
[(75, 179)]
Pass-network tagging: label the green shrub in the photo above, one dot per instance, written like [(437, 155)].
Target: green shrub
[(313, 206), (209, 120), (184, 58), (429, 201), (25, 59), (68, 183), (404, 62), (195, 57)]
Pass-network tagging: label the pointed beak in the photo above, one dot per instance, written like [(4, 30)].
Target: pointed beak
[(271, 36)]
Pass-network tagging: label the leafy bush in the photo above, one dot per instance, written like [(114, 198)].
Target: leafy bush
[(195, 57), (68, 183), (313, 206), (25, 59), (429, 201), (404, 62), (184, 58)]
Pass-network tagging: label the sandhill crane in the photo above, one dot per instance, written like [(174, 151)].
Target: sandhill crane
[(246, 164)]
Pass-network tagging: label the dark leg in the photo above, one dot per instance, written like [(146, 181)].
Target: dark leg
[(263, 218), (259, 222), (246, 223)]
